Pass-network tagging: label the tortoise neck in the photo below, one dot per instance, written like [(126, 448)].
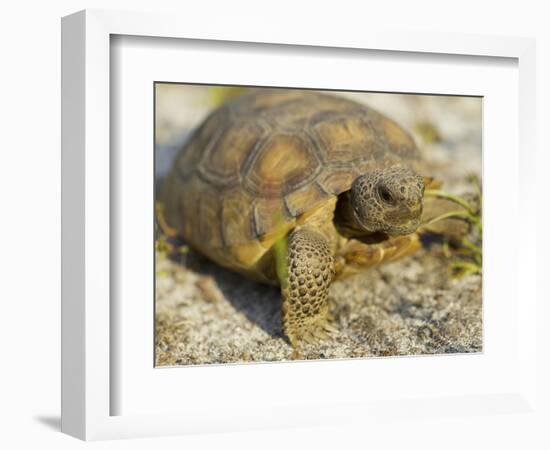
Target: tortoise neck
[(344, 219)]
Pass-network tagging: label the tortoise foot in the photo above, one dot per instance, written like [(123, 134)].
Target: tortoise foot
[(312, 333)]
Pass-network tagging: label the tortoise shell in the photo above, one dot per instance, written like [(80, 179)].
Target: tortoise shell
[(259, 163)]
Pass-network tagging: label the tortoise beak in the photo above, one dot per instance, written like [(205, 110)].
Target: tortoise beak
[(408, 228), (408, 219)]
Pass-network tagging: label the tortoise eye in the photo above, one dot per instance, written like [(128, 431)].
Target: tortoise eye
[(385, 194)]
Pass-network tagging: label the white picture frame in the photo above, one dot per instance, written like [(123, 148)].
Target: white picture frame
[(89, 322)]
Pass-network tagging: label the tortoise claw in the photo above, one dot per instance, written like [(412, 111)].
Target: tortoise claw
[(314, 334), (330, 330)]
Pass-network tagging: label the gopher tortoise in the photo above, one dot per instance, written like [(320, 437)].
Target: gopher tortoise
[(297, 188)]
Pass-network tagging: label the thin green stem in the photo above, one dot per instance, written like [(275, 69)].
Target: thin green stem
[(470, 245), (451, 215), (458, 200), (466, 267)]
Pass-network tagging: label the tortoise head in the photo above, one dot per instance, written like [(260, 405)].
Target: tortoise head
[(388, 200)]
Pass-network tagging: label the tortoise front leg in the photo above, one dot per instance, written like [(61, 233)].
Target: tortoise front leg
[(305, 283)]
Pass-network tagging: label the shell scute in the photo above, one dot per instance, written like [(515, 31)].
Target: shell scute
[(187, 221), (237, 215), (228, 152), (270, 217), (345, 139), (285, 162), (210, 223), (298, 201), (337, 179)]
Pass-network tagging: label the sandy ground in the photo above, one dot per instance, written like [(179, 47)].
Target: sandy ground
[(206, 314)]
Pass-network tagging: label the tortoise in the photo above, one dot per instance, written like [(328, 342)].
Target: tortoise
[(297, 188)]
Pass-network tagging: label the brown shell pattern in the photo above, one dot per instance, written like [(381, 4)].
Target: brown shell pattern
[(263, 159)]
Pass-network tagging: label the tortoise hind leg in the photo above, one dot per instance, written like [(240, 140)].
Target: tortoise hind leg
[(305, 283)]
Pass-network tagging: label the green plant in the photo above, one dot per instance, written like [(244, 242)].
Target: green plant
[(468, 257)]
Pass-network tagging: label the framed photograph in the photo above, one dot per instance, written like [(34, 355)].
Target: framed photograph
[(303, 190), (268, 229)]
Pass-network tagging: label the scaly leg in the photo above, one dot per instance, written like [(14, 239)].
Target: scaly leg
[(309, 272)]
